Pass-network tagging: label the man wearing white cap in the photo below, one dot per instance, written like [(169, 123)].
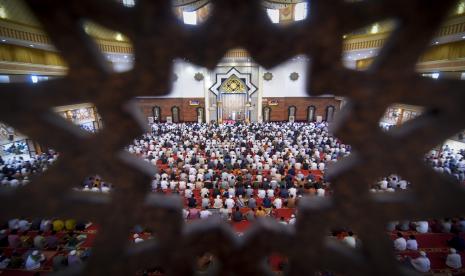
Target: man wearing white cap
[(73, 258), (137, 238), (422, 263), (293, 191), (400, 244), (230, 202), (204, 214), (203, 192), (34, 259), (249, 191), (422, 226), (218, 203), (278, 203), (188, 193), (292, 220), (454, 260)]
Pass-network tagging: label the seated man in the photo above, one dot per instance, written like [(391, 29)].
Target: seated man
[(400, 244), (237, 215), (191, 202), (204, 214), (422, 263), (39, 240), (230, 203), (205, 202), (250, 215), (350, 240), (51, 241), (194, 213), (421, 226), (73, 258), (412, 243), (260, 213), (4, 261), (278, 203), (34, 260), (252, 203), (267, 202), (218, 203), (454, 260), (14, 240)]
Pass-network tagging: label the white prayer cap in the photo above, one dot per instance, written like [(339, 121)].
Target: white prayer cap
[(292, 216), (135, 236), (35, 253), (218, 196), (423, 253), (453, 251), (72, 253)]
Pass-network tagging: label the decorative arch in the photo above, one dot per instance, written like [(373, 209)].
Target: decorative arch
[(291, 113), (200, 114), (266, 114), (233, 85), (330, 110), (175, 114), (311, 113), (235, 76), (156, 111)]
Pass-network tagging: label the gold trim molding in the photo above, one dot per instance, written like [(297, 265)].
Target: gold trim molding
[(449, 57), (12, 30), (16, 68), (455, 25)]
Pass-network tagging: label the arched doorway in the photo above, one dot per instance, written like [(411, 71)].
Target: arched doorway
[(175, 114), (200, 115), (266, 114), (311, 113), (330, 113), (234, 98), (292, 110), (156, 114)]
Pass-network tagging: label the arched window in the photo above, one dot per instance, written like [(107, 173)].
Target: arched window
[(175, 114), (329, 113), (200, 114), (273, 15), (129, 3), (292, 110), (300, 11), (311, 113), (156, 114), (189, 18), (266, 114)]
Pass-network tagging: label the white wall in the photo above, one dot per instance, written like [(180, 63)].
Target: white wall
[(186, 86), (281, 85), (455, 145)]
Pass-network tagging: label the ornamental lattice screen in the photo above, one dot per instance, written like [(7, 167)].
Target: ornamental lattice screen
[(158, 37)]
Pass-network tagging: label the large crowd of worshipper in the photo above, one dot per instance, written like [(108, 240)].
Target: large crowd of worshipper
[(231, 163), (16, 171), (222, 170), (24, 243), (448, 161)]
